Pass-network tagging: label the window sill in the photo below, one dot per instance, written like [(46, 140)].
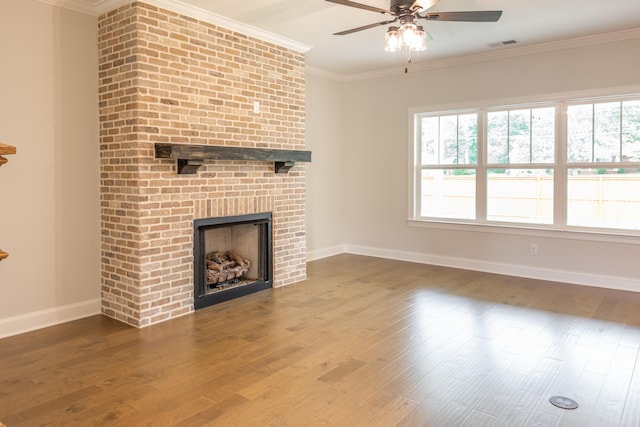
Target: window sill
[(532, 230)]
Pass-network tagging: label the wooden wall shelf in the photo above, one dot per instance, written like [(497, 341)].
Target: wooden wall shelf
[(6, 149), (189, 158)]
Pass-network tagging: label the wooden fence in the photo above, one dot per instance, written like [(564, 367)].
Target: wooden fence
[(606, 200)]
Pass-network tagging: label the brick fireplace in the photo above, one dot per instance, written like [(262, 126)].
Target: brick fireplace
[(168, 78)]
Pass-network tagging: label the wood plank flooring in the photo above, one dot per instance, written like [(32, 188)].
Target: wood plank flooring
[(363, 342)]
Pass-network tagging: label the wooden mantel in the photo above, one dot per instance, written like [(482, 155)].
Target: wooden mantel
[(5, 149), (189, 158)]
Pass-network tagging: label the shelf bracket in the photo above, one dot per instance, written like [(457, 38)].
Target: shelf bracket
[(283, 167), (188, 167)]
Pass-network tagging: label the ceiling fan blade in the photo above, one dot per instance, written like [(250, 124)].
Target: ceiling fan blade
[(472, 16), (361, 6), (364, 27)]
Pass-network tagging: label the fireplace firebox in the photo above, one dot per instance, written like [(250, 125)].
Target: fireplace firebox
[(232, 257)]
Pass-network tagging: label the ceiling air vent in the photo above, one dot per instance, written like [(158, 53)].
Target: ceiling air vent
[(503, 43)]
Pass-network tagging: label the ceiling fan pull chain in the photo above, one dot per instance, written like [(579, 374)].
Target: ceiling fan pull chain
[(408, 59)]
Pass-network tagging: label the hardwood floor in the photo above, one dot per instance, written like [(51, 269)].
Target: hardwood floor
[(363, 342)]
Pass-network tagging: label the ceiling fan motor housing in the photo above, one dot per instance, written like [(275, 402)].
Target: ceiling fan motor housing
[(400, 6)]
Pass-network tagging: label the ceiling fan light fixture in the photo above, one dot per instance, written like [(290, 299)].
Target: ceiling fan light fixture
[(392, 42), (407, 33), (419, 42)]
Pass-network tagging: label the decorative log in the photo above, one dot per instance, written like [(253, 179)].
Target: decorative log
[(222, 268), (214, 266), (216, 257), (242, 261)]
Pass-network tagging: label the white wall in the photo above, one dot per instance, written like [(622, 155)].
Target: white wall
[(325, 173), (375, 135), (49, 190)]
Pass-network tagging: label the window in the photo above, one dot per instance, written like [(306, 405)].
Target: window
[(447, 173), (566, 165), (603, 155), (517, 138)]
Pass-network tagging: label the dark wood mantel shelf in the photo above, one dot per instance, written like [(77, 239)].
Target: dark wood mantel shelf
[(189, 158), (6, 149)]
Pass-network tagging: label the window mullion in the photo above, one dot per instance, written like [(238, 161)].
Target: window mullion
[(593, 133), (620, 134), (481, 168), (457, 139), (531, 135), (560, 171), (508, 135), (418, 161)]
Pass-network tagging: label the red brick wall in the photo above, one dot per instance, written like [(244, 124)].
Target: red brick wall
[(165, 77)]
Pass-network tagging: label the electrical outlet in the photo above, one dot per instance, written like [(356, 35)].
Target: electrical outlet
[(533, 249)]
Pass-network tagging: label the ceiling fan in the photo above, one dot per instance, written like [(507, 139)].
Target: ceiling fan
[(409, 34), (408, 11)]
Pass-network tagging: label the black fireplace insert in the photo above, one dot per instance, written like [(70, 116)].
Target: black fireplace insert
[(232, 257)]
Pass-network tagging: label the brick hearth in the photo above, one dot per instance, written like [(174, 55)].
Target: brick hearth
[(165, 77)]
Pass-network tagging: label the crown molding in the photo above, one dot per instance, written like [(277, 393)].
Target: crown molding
[(104, 6), (87, 7), (100, 7), (501, 53), (319, 72)]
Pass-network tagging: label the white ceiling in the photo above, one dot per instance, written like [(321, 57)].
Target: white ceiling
[(312, 22)]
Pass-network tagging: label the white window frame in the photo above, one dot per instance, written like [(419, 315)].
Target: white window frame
[(560, 167)]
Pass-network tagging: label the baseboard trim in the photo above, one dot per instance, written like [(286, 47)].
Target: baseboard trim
[(325, 253), (573, 277), (53, 316)]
